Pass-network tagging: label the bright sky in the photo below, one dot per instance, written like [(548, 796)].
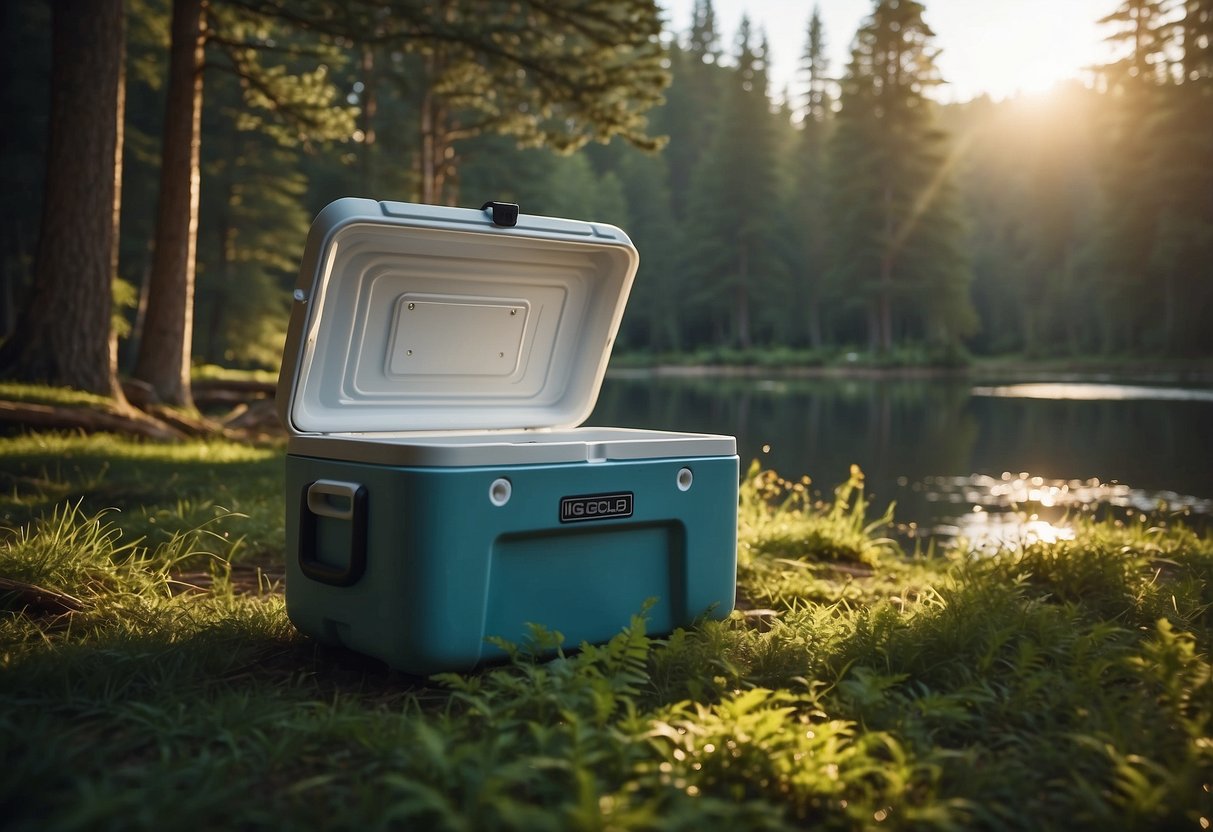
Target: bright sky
[(998, 47)]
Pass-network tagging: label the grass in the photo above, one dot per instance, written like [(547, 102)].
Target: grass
[(1063, 686), (158, 489), (213, 372), (54, 396)]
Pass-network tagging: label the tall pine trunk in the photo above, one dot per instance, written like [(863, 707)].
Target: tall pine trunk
[(434, 160), (64, 336), (741, 299), (369, 118), (884, 286), (165, 348)]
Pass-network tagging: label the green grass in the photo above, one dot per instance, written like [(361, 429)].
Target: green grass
[(1063, 686), (213, 372), (158, 489), (54, 396)]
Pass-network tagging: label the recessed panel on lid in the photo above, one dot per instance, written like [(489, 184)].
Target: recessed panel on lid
[(456, 335)]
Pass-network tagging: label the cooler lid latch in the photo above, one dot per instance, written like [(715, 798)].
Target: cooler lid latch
[(504, 214)]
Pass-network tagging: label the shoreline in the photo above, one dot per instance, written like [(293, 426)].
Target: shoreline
[(1199, 371)]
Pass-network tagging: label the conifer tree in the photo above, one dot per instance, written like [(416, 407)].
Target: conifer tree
[(806, 212), (1130, 246), (703, 40), (692, 106), (293, 105), (733, 199), (896, 244), (253, 222), (64, 335), (550, 72), (654, 317), (1181, 257)]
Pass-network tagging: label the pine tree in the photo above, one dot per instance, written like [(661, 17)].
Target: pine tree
[(551, 72), (806, 211), (288, 105), (253, 221), (703, 40), (815, 67), (654, 317), (1140, 316), (896, 241), (64, 335), (164, 347), (575, 190), (734, 200), (1181, 258), (25, 61), (1145, 29), (692, 106)]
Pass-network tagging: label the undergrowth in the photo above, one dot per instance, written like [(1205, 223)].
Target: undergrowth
[(1056, 686), (159, 489)]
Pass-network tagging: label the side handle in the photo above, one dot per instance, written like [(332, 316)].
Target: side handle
[(339, 501)]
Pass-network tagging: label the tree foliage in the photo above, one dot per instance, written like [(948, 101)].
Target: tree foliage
[(895, 222), (1158, 214), (730, 242), (826, 222)]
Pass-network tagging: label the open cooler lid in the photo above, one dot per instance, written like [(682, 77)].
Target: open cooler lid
[(417, 317)]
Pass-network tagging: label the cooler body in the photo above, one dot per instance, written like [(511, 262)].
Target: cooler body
[(419, 565)]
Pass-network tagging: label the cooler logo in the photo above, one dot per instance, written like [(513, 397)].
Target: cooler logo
[(595, 507)]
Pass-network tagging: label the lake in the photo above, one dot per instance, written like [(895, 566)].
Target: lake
[(990, 462)]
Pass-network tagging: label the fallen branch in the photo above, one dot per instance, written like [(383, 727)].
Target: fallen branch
[(188, 424), (250, 389), (86, 419), (36, 599), (259, 416)]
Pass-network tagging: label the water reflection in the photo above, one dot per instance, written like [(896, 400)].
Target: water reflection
[(988, 532), (940, 447), (1094, 392)]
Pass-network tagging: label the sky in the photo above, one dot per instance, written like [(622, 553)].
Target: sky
[(996, 47)]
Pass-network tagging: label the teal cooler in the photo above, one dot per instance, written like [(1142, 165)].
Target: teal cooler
[(440, 490)]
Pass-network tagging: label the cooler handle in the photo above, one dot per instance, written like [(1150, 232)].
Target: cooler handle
[(350, 505)]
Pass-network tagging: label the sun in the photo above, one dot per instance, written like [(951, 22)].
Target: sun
[(1026, 47), (1020, 73)]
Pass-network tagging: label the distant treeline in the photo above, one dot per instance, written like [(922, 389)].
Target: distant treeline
[(860, 215)]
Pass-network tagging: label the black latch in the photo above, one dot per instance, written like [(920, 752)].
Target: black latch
[(504, 214)]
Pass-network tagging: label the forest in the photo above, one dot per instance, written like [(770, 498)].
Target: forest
[(857, 215)]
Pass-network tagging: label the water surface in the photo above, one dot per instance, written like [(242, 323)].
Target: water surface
[(986, 461)]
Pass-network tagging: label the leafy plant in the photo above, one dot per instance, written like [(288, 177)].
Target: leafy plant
[(1060, 685)]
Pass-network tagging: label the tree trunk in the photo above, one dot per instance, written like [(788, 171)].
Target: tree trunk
[(884, 289), (435, 166), (426, 161), (221, 280), (884, 307), (742, 299), (370, 117), (873, 326), (813, 318), (165, 348), (64, 336)]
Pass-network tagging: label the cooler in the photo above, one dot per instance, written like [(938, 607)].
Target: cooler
[(439, 487)]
